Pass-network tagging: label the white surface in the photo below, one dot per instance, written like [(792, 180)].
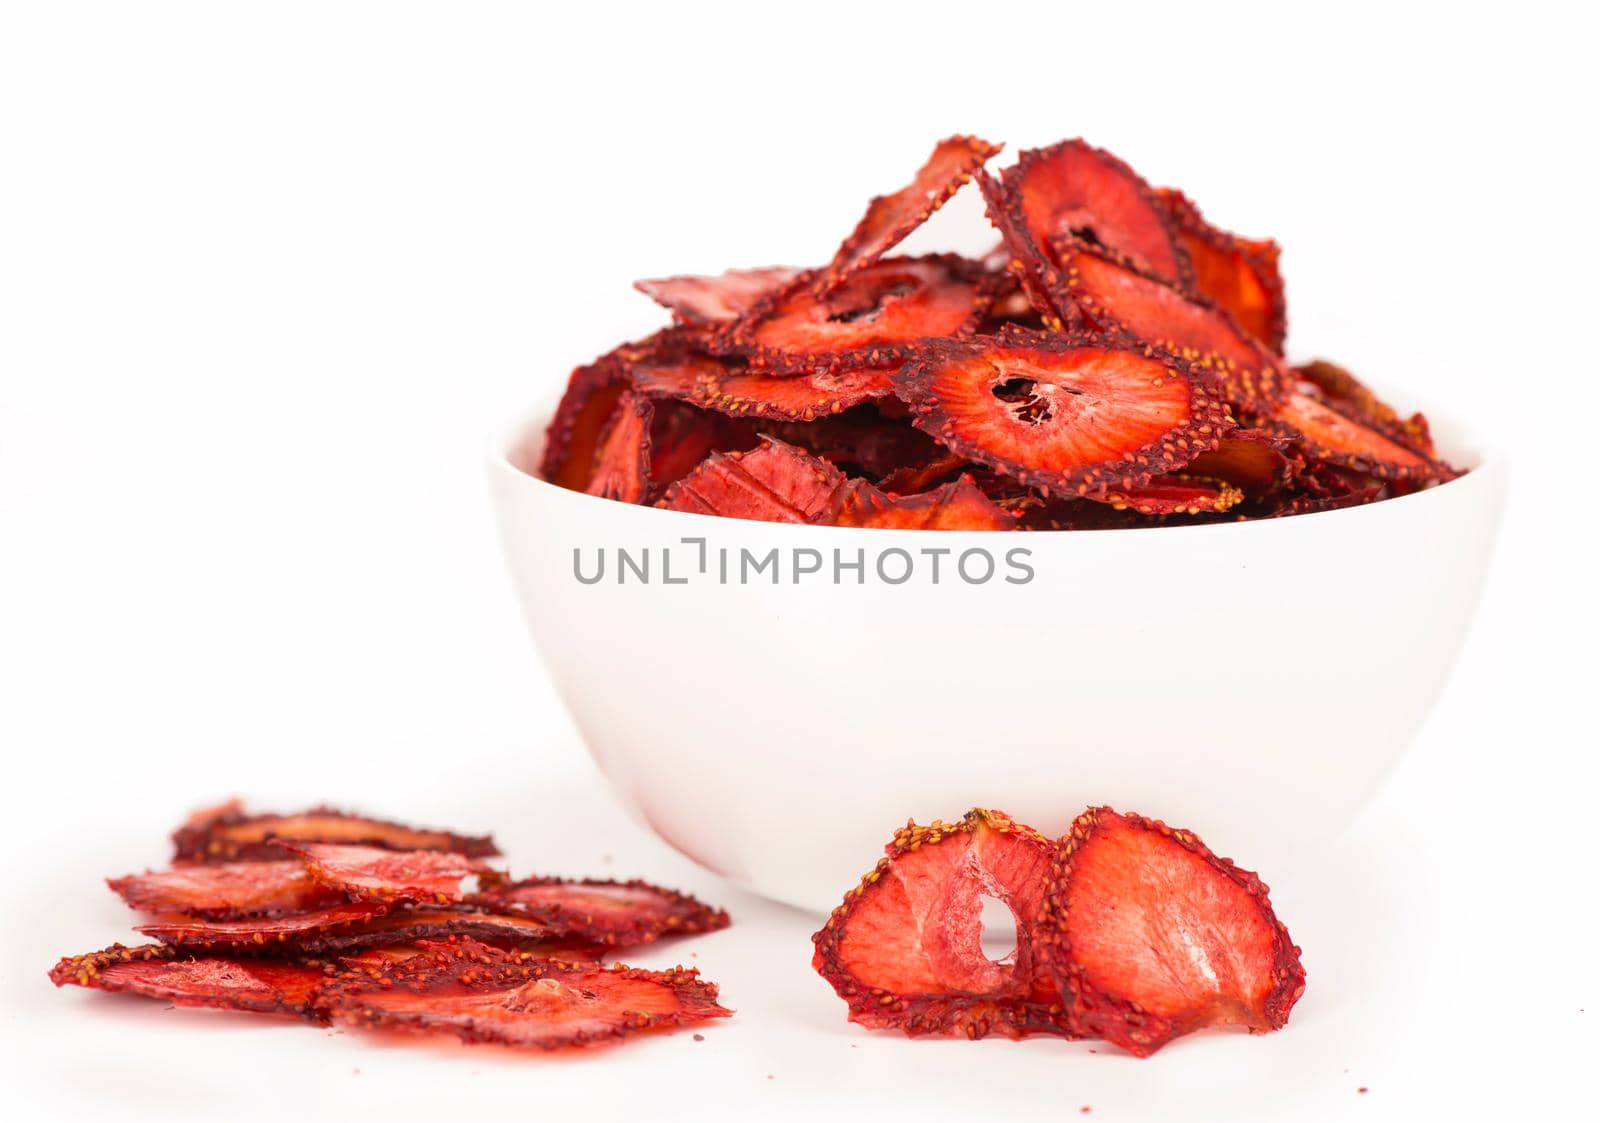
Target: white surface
[(268, 276), (739, 711)]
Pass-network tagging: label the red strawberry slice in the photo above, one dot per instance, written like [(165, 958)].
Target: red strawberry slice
[(366, 873), (958, 505), (716, 300), (743, 392), (226, 889), (1072, 190), (1153, 936), (1066, 413), (870, 320), (1178, 494), (1113, 296), (230, 833), (1329, 435), (905, 949), (622, 462), (1237, 274), (1252, 460), (1348, 394), (256, 986), (482, 994), (614, 913), (890, 218), (775, 482)]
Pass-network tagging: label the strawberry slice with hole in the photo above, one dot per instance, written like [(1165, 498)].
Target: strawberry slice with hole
[(1071, 414), (1153, 936), (890, 218), (908, 947)]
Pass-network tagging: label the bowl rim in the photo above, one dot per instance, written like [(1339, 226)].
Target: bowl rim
[(1462, 443)]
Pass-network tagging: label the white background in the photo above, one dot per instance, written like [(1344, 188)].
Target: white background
[(269, 274)]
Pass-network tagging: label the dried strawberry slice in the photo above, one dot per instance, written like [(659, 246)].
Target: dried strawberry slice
[(228, 833), (675, 375), (483, 994), (753, 393), (1029, 265), (1070, 414), (613, 913), (294, 930), (407, 926), (580, 420), (716, 300), (1179, 494), (1252, 460), (913, 478), (682, 435), (1345, 392), (1115, 297), (226, 889), (366, 873), (1072, 190), (1237, 274), (890, 218), (959, 505), (863, 440), (622, 460), (905, 948), (775, 483), (256, 986), (873, 319), (1327, 434), (1153, 936)]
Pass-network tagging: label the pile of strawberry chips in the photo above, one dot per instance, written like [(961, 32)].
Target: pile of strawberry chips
[(340, 919), (1116, 361), (1126, 930)]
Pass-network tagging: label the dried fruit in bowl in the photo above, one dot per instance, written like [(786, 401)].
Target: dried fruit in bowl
[(873, 319), (1239, 275), (1071, 414), (1116, 362)]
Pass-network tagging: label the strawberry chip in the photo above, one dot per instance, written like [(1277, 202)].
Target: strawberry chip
[(482, 994), (226, 889), (229, 833), (611, 913), (1071, 414), (834, 361), (367, 873), (905, 949), (162, 973), (890, 218), (1153, 936)]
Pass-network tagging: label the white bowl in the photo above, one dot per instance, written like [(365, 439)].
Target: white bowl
[(1253, 682)]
